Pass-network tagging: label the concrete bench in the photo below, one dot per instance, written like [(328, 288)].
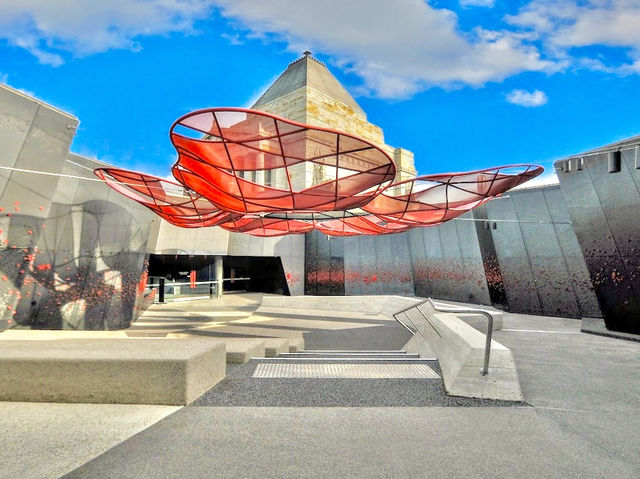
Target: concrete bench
[(140, 371), (479, 322), (49, 334)]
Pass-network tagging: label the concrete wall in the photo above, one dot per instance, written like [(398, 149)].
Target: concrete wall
[(72, 252), (605, 210), (29, 132), (538, 256), (529, 263)]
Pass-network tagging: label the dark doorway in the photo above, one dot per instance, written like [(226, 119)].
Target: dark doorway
[(265, 274)]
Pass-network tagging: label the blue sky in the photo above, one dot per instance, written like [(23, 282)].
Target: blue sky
[(464, 84)]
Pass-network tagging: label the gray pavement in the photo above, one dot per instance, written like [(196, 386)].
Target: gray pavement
[(582, 419), (358, 442), (239, 388), (41, 440)]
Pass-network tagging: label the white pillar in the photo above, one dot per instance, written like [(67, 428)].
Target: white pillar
[(219, 274)]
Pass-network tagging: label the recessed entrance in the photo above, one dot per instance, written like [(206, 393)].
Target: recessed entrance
[(265, 274)]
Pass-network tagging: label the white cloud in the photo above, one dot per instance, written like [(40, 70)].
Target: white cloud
[(477, 3), (4, 78), (566, 24), (527, 99), (398, 48), (234, 39), (48, 29)]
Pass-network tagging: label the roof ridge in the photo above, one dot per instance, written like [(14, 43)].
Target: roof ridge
[(272, 83), (314, 75), (303, 57)]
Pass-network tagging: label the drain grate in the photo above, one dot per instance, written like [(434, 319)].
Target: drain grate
[(342, 370)]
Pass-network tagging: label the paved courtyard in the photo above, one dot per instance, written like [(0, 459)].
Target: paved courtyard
[(580, 418)]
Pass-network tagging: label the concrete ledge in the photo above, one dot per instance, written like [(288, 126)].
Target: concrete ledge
[(49, 334), (238, 350), (596, 326), (340, 305), (144, 371), (460, 352), (275, 346)]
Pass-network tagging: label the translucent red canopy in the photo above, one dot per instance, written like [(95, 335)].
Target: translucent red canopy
[(252, 172), (167, 199), (432, 199), (248, 161)]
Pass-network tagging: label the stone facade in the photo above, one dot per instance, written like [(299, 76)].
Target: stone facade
[(296, 95)]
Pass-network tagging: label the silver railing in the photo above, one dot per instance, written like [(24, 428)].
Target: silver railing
[(404, 311), (486, 314), (186, 288), (487, 347)]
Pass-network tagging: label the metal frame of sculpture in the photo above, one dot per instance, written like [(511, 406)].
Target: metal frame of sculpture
[(252, 172)]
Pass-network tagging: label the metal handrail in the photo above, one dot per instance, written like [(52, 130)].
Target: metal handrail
[(187, 283), (414, 305), (487, 314)]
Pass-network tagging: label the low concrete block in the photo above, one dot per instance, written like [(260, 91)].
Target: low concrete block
[(460, 352), (296, 344), (275, 346), (143, 371), (239, 350), (49, 334)]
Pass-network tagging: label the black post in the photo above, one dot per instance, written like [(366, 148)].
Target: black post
[(161, 291)]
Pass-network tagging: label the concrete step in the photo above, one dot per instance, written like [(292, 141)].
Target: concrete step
[(326, 359), (354, 355), (345, 370), (331, 351)]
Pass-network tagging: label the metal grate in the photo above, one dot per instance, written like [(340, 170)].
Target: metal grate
[(344, 370)]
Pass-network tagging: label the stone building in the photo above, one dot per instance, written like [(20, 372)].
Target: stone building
[(307, 92)]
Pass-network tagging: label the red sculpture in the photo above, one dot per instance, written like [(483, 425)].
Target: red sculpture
[(169, 200), (253, 172), (432, 199), (247, 161)]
